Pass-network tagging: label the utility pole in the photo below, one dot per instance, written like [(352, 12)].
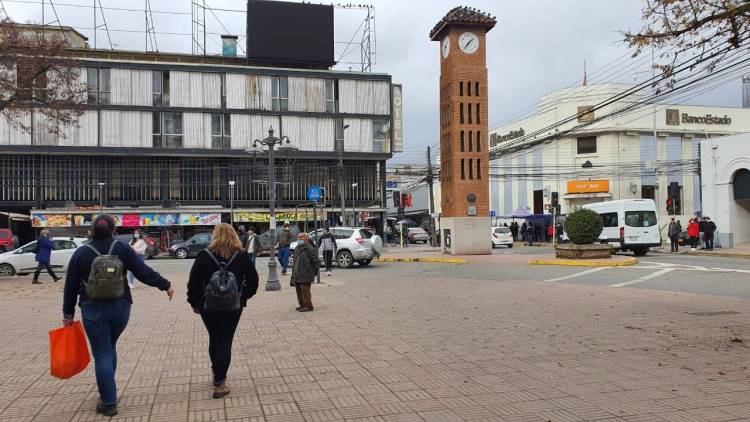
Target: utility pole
[(432, 198)]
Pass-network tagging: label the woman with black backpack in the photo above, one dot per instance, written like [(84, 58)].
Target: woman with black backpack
[(221, 281), (96, 278)]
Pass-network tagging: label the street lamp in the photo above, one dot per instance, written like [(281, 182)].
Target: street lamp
[(101, 197), (284, 144), (354, 205), (231, 201), (340, 170)]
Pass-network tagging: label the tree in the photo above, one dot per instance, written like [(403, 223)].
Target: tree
[(706, 30), (37, 71), (583, 226)]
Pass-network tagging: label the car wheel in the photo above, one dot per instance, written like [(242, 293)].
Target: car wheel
[(493, 245), (7, 270), (181, 253), (510, 246), (345, 259), (640, 251), (365, 263)]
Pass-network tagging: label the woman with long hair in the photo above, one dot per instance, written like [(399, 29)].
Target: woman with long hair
[(105, 320), (224, 253), (139, 245)]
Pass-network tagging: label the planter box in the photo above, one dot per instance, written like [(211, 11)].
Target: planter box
[(569, 251)]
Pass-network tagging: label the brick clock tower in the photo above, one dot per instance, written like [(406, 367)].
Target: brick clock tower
[(464, 156)]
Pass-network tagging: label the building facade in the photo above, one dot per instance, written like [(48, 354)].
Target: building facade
[(163, 135), (638, 153)]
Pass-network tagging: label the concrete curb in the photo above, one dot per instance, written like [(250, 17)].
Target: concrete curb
[(585, 262), (720, 254), (425, 259)]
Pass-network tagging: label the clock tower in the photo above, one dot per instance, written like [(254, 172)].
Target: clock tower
[(464, 152)]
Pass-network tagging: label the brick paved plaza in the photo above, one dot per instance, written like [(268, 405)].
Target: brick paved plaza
[(385, 346)]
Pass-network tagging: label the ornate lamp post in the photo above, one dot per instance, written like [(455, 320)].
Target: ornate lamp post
[(284, 144)]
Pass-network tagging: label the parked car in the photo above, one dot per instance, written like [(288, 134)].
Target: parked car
[(22, 260), (6, 240), (417, 235), (191, 247), (501, 236), (153, 248), (354, 244)]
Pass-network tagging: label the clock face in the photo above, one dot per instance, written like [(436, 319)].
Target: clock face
[(446, 47), (468, 42)]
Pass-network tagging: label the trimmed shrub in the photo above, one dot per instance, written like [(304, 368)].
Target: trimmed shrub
[(583, 226)]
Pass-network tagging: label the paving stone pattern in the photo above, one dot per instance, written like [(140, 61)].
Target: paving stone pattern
[(384, 348)]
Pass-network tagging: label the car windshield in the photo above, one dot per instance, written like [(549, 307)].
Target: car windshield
[(640, 218), (365, 233), (417, 230)]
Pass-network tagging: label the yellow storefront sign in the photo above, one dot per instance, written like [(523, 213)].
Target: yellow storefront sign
[(588, 186), (264, 217)]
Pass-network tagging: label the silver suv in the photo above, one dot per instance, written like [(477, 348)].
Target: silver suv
[(354, 244)]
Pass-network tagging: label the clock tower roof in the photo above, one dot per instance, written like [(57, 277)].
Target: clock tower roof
[(463, 15)]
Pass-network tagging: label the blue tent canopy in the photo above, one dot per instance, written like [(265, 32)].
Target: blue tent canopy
[(518, 213)]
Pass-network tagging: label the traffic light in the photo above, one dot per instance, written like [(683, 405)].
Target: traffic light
[(670, 206), (555, 202), (396, 199)]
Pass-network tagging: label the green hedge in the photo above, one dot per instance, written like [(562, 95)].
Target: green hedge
[(583, 226)]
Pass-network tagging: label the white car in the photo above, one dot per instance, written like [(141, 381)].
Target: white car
[(501, 236), (353, 244), (22, 260)]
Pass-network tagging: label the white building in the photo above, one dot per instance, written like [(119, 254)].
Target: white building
[(588, 160), (725, 166)]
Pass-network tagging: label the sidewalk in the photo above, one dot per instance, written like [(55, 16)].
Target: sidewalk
[(739, 251), (387, 347)]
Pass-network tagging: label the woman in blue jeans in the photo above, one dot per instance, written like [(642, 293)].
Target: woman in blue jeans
[(104, 321)]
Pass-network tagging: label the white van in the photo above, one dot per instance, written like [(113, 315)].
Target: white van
[(629, 224)]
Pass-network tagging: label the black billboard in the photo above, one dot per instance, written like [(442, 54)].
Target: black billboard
[(284, 33)]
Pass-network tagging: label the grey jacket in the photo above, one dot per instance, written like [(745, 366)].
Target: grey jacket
[(285, 238), (674, 230)]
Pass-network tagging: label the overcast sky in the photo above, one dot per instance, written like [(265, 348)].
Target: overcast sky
[(538, 46)]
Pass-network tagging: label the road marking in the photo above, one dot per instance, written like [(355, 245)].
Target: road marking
[(644, 278), (578, 274)]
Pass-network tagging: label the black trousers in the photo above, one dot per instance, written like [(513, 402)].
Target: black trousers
[(328, 258), (675, 243), (694, 242), (41, 266), (221, 327), (709, 239)]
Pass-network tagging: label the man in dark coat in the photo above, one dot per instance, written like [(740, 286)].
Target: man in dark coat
[(44, 248), (305, 268), (710, 229)]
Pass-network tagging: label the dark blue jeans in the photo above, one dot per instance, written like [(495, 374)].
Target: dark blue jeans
[(104, 322), (284, 258)]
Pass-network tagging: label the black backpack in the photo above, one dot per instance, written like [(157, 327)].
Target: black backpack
[(107, 276), (222, 290)]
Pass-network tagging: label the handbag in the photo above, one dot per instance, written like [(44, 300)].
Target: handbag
[(68, 351)]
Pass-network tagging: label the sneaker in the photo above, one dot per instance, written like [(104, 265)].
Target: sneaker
[(57, 279), (306, 309), (36, 282), (221, 390), (328, 273), (106, 409), (298, 308)]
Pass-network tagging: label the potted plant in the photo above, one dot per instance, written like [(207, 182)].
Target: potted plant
[(583, 227)]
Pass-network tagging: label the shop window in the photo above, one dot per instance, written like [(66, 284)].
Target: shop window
[(476, 86), (471, 169), (479, 113), (98, 85), (461, 113), (468, 88), (586, 145), (462, 141), (461, 88), (463, 171), (469, 113), (479, 168), (471, 140), (479, 143), (221, 131), (280, 93), (381, 137)]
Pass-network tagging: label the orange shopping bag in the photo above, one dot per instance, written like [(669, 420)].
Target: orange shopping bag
[(68, 352)]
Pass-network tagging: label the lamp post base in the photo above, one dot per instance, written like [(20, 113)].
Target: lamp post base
[(272, 283)]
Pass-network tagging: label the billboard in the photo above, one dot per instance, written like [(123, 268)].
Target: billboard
[(398, 119), (286, 32)]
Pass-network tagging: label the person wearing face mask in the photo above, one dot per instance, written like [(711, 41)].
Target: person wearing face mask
[(285, 239), (140, 247)]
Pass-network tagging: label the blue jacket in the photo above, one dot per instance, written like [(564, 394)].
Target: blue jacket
[(80, 267), (44, 250)]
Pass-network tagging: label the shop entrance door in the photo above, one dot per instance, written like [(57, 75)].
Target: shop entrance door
[(538, 202)]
